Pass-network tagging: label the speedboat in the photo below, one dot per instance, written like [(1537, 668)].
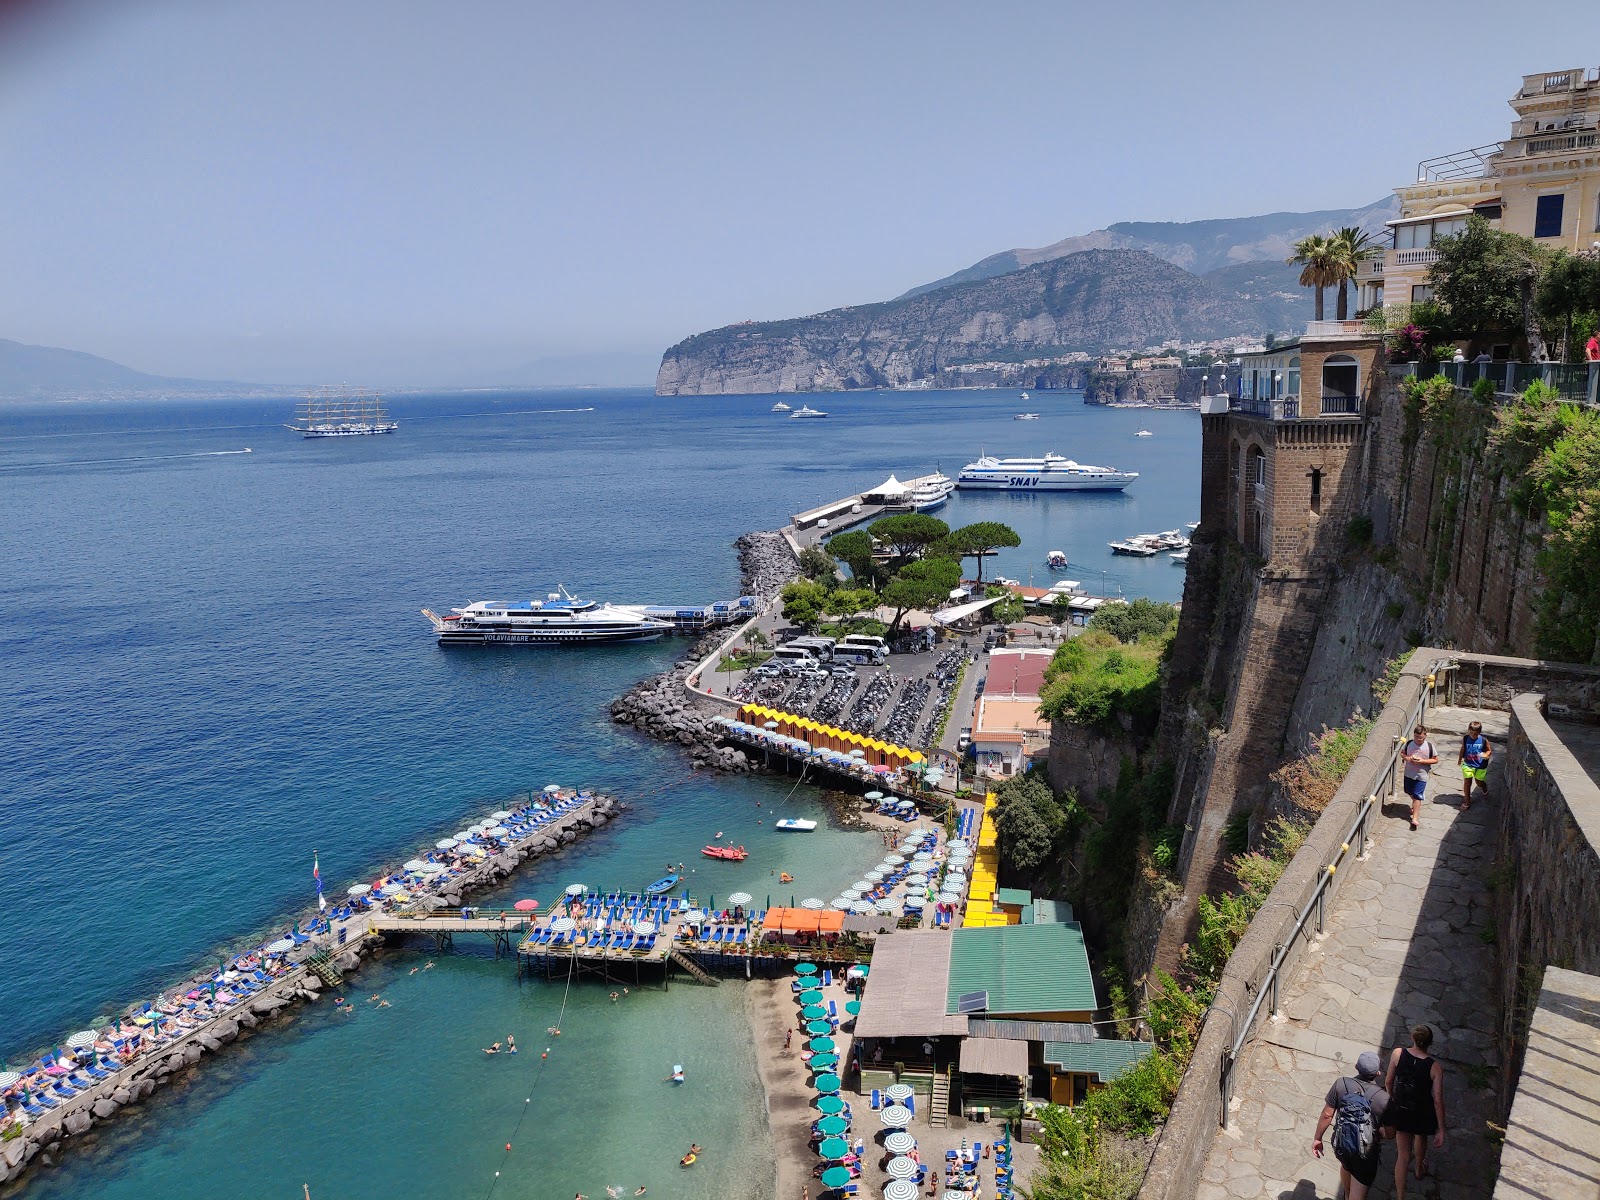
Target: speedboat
[(805, 410), (1024, 395), (663, 885), (1143, 432), (1181, 557), (1139, 546), (1056, 560), (780, 406), (1026, 417), (729, 853), (559, 619), (795, 825), (1052, 473)]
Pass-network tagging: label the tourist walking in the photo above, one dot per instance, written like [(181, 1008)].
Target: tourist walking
[(1419, 756), (1355, 1107), (1415, 1084), (1474, 758)]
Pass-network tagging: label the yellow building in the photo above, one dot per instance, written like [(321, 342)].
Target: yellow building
[(1543, 182)]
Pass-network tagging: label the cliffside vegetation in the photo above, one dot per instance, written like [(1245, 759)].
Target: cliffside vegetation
[(1109, 676)]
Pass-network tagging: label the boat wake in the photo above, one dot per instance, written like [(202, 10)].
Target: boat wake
[(98, 462)]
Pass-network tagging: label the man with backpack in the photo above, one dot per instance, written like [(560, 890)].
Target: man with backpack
[(1355, 1109)]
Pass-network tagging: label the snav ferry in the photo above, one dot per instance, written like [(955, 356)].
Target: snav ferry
[(559, 619), (1052, 473)]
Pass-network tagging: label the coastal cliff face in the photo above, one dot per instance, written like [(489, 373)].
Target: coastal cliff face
[(1086, 301)]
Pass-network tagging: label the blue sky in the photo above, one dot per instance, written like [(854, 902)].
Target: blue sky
[(421, 192)]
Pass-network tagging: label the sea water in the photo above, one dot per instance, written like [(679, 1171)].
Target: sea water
[(215, 666)]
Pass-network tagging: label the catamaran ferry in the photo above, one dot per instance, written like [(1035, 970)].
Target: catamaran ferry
[(560, 619), (1052, 473)]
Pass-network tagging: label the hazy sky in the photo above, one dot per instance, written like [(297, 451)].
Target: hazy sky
[(388, 191)]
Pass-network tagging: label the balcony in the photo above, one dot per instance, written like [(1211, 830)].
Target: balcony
[(1285, 408), (1339, 331), (1557, 143), (1416, 258), (1578, 382)]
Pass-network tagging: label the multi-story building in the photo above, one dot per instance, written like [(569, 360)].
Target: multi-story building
[(1543, 181)]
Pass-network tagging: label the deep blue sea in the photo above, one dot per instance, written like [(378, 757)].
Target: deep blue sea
[(214, 665)]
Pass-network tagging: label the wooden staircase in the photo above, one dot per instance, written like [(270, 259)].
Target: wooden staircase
[(939, 1105), (694, 968), (321, 965)]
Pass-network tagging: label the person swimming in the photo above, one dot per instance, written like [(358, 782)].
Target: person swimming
[(494, 1049)]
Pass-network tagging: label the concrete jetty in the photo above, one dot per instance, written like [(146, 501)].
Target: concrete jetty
[(315, 963)]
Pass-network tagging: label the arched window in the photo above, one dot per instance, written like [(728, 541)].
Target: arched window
[(1341, 384), (1258, 467), (1294, 377)]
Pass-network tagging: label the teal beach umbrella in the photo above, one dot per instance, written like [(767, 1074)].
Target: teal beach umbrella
[(835, 1177)]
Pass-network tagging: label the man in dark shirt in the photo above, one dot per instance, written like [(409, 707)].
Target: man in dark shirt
[(1356, 1173)]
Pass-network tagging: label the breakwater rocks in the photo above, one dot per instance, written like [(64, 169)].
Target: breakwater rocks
[(662, 707)]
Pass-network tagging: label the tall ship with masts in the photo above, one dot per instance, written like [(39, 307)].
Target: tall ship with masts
[(329, 413)]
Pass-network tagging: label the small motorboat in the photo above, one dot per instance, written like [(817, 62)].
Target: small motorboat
[(1181, 557), (663, 885), (1143, 432), (730, 853), (1056, 560), (795, 825), (1026, 417)]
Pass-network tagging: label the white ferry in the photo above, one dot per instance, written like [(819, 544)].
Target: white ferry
[(1052, 473), (805, 411), (560, 619), (932, 492)]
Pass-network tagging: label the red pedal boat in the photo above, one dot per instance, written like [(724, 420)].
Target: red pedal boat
[(731, 853)]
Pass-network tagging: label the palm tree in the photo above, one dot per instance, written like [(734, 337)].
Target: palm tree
[(1318, 257), (1352, 247)]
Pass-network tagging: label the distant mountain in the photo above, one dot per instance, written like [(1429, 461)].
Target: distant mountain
[(1091, 300), (1197, 246), (45, 373)]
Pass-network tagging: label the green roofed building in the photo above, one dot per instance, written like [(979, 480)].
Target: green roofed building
[(1037, 972), (1078, 1067)]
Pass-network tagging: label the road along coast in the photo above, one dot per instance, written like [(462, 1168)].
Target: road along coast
[(663, 705), (131, 1060)]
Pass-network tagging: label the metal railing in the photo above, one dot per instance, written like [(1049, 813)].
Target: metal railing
[(1560, 142), (1463, 164), (1340, 406), (1284, 408), (1315, 910), (1571, 381)]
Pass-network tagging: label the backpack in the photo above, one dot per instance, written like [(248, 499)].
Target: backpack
[(1407, 1096), (1354, 1132)]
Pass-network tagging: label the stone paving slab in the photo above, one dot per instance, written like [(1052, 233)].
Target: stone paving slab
[(1404, 945)]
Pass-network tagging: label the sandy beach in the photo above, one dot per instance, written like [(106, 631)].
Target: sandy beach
[(769, 1005)]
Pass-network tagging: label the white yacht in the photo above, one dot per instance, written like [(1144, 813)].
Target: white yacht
[(1052, 473), (1141, 545), (780, 406), (1024, 395), (1026, 417), (559, 619), (1181, 558), (805, 410), (932, 492), (1143, 432)]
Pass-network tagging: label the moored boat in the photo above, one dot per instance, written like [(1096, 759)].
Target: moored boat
[(932, 492), (728, 853), (780, 406), (559, 619), (1052, 473), (663, 885), (795, 825), (806, 411)]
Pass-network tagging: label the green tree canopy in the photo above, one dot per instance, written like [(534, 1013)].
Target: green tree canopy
[(979, 539), (817, 565), (803, 602), (921, 583), (847, 601), (1568, 300), (1351, 247), (909, 534), (1485, 278), (1027, 820), (1318, 257), (854, 549), (1129, 622)]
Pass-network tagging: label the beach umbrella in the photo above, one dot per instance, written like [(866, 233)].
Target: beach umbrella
[(819, 1027), (901, 1189), (810, 996), (916, 880), (11, 1079), (830, 1105), (391, 889), (280, 946), (805, 968), (820, 1062), (826, 1083), (498, 831), (835, 1177), (949, 897), (898, 1091), (853, 1007), (768, 725), (84, 1037), (955, 1194), (414, 864), (811, 902), (886, 906), (874, 876), (955, 876), (896, 1116), (739, 898), (834, 1148), (841, 904), (477, 827), (821, 1045), (525, 905), (914, 902), (828, 1126), (445, 844), (899, 1142), (902, 1168), (551, 788), (850, 894), (862, 885), (874, 795), (894, 860), (576, 889), (694, 916), (434, 868), (461, 835), (861, 908), (360, 889), (813, 1012), (858, 754), (563, 925), (644, 927), (499, 816)]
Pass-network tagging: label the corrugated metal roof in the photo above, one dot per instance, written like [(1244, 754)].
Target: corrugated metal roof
[(1051, 912), (1013, 896), (1104, 1058), (905, 996), (994, 1056), (1030, 1031), (1024, 968)]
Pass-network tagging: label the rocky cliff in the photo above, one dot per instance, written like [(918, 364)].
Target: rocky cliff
[(1087, 301)]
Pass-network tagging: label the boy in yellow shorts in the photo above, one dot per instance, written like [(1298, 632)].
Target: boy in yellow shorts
[(1474, 759)]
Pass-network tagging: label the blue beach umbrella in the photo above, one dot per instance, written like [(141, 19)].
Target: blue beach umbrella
[(830, 1105), (821, 1045), (805, 968), (818, 1027), (834, 1148), (835, 1177), (826, 1083)]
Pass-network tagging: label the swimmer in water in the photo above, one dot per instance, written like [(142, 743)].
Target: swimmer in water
[(494, 1049), (427, 966)]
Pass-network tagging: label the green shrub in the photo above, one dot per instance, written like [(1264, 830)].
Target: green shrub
[(1359, 531)]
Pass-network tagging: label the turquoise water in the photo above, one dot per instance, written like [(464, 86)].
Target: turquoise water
[(215, 665)]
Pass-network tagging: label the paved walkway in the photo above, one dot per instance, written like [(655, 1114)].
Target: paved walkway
[(1405, 945)]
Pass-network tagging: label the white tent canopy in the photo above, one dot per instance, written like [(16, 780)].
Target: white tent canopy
[(950, 616), (890, 487)]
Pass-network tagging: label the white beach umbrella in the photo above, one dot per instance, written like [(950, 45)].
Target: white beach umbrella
[(643, 927), (499, 816), (841, 904), (415, 864), (914, 902), (862, 885), (811, 902), (894, 859), (9, 1079), (899, 1142), (563, 925), (281, 946), (851, 894), (551, 788), (874, 796), (360, 889), (576, 889), (84, 1037), (445, 844), (875, 876), (429, 868), (461, 835), (739, 898), (896, 1116), (900, 1189), (498, 831), (887, 906), (899, 1091), (902, 1168), (861, 908), (694, 916)]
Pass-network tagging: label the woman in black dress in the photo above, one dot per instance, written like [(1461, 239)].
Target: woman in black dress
[(1415, 1084)]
